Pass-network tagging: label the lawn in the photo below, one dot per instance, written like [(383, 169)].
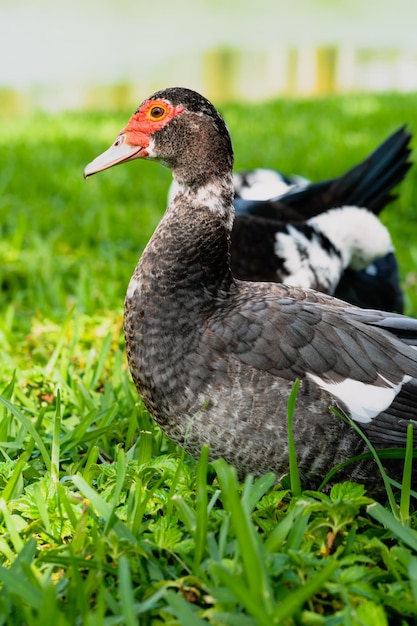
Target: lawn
[(103, 521)]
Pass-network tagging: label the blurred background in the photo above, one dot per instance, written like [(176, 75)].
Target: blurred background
[(66, 54)]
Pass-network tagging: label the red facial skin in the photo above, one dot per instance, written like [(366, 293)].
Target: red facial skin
[(133, 141), (151, 116)]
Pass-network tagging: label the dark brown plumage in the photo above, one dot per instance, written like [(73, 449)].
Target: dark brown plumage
[(214, 359)]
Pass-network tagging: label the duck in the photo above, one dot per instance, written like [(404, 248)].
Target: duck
[(271, 208), (264, 196), (215, 359)]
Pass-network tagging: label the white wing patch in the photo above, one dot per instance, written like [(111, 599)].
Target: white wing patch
[(356, 233), (306, 261), (364, 401), (358, 239)]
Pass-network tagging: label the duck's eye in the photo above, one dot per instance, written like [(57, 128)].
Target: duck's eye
[(157, 113)]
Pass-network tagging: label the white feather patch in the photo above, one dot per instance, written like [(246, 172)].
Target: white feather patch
[(210, 196), (356, 232), (260, 184), (133, 286), (306, 261), (265, 184), (364, 401), (172, 191)]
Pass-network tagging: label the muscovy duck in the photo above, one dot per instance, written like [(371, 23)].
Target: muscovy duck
[(215, 358)]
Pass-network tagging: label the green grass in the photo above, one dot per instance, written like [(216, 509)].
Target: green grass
[(103, 521)]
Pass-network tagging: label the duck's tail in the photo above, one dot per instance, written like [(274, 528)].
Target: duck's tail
[(369, 184)]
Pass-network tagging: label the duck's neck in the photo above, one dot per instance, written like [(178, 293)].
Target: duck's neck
[(189, 251)]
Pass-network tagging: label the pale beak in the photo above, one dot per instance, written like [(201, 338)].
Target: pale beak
[(119, 152)]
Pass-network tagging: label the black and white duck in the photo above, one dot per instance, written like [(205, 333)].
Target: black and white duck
[(215, 358), (315, 254)]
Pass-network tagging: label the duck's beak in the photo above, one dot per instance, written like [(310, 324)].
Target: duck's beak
[(119, 152)]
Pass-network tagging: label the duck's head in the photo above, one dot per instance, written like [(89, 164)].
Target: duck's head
[(177, 127)]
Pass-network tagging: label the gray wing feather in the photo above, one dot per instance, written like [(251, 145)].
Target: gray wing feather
[(292, 336)]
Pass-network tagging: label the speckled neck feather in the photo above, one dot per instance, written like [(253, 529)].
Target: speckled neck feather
[(190, 249)]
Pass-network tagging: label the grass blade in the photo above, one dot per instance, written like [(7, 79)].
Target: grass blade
[(250, 546), (104, 508), (16, 581), (294, 473), (407, 475), (56, 440), (243, 594), (384, 517), (25, 421), (127, 601), (253, 491), (374, 452), (12, 483), (17, 585), (201, 502)]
